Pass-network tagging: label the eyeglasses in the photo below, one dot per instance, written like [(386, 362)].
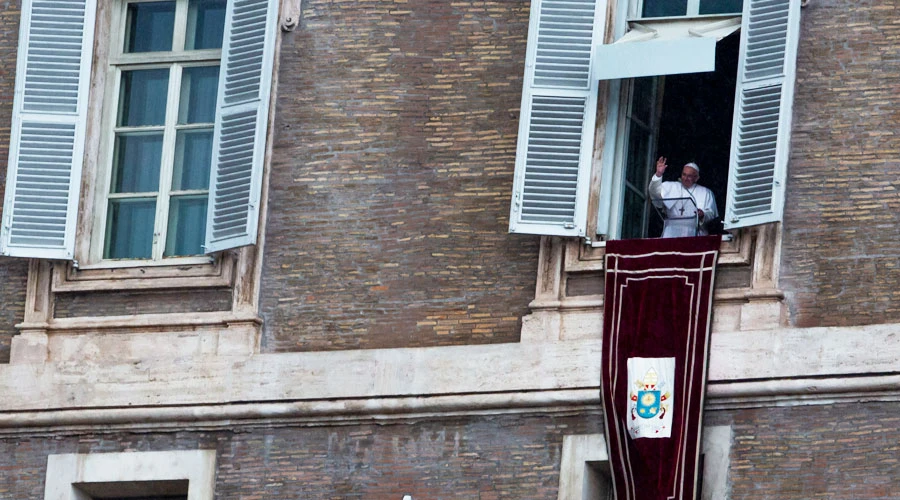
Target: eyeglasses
[(690, 176)]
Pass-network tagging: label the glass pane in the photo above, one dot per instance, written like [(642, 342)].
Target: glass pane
[(142, 100), (198, 94), (206, 24), (637, 166), (721, 6), (193, 156), (130, 228), (642, 101), (664, 8), (633, 215), (187, 225), (150, 26), (137, 163)]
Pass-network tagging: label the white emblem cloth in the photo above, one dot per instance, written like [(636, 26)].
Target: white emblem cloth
[(650, 397)]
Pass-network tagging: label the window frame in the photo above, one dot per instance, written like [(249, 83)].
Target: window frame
[(614, 159), (761, 126), (66, 471), (692, 11), (584, 465), (115, 62)]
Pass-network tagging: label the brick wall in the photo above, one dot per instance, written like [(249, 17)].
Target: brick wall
[(841, 263), (392, 169), (13, 272), (514, 457), (839, 452)]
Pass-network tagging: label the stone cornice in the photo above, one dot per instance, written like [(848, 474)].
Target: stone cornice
[(747, 369)]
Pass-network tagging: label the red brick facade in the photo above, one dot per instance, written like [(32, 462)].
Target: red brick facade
[(840, 264), (390, 179), (840, 452)]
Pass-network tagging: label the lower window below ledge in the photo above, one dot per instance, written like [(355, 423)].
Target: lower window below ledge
[(175, 475)]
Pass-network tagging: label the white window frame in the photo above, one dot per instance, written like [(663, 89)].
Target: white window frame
[(547, 147), (55, 129), (584, 466), (693, 10), (66, 471), (174, 60), (609, 213)]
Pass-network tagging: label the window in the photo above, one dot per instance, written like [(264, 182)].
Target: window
[(155, 475), (164, 68), (584, 466), (687, 118), (690, 8), (182, 144), (645, 74)]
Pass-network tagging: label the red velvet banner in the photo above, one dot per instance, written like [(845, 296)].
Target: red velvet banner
[(655, 347)]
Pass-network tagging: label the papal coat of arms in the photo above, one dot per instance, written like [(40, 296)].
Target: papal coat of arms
[(649, 398)]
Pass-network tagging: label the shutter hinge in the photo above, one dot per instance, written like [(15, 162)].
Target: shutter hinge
[(569, 225)]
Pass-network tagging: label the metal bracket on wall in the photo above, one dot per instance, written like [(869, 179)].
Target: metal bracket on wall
[(290, 14)]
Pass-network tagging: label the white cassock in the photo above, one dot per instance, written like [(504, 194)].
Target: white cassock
[(682, 211)]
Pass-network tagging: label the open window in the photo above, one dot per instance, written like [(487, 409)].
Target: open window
[(709, 81), (686, 117), (182, 140)]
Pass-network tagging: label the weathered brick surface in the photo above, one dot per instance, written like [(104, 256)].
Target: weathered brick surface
[(514, 457), (841, 256), (79, 304), (394, 149), (838, 452), (13, 272)]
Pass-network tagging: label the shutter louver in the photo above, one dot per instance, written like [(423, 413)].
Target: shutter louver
[(762, 118), (239, 139), (556, 127), (564, 44), (551, 162), (47, 136)]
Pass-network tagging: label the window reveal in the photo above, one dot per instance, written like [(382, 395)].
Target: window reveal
[(689, 119), (168, 73)]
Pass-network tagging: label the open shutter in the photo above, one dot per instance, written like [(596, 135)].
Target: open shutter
[(556, 127), (46, 152), (762, 116), (239, 138)]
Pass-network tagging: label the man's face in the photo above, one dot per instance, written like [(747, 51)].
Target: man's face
[(689, 176)]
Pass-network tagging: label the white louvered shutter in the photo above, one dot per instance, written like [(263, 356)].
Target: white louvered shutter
[(762, 116), (239, 138), (556, 127), (40, 208)]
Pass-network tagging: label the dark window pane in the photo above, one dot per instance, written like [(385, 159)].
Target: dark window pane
[(150, 26), (664, 8), (721, 6), (633, 215), (637, 166), (176, 497), (205, 25), (198, 94), (187, 225), (130, 228), (642, 102), (193, 156), (136, 168), (142, 99)]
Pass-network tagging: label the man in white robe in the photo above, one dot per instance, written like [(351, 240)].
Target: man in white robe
[(682, 201)]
